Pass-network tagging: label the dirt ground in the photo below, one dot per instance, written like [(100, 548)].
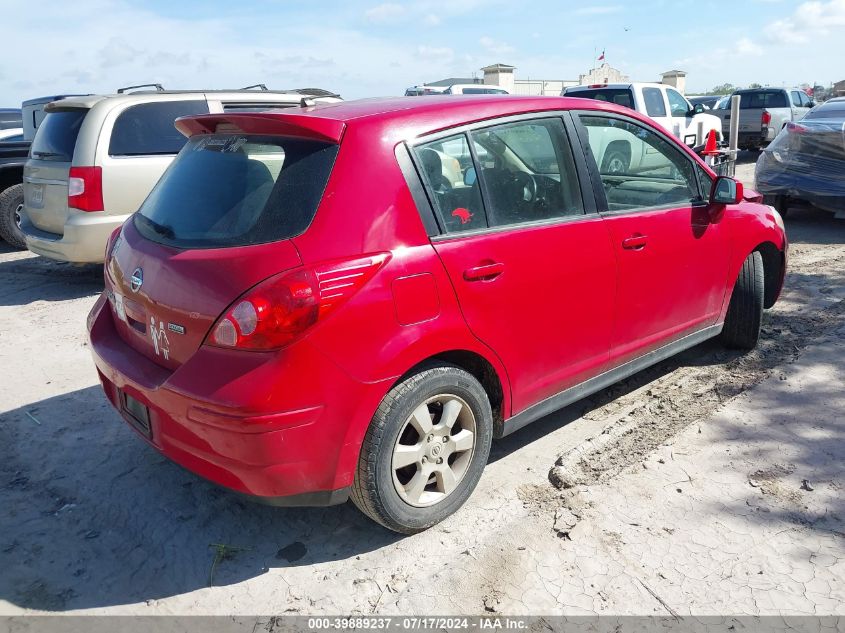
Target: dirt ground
[(94, 521)]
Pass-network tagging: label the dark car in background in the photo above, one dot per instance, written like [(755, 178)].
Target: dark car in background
[(708, 101), (806, 162), (10, 118)]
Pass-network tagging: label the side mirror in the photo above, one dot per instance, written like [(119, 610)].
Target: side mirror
[(726, 191), (698, 108), (470, 177)]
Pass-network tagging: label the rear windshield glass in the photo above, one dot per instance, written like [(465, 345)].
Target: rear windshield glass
[(763, 99), (147, 129), (237, 190), (619, 96), (482, 91), (56, 136), (834, 110)]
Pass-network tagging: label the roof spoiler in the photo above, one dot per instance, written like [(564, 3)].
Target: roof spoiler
[(302, 126)]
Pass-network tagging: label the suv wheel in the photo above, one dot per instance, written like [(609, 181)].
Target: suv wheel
[(11, 207), (745, 311), (425, 450)]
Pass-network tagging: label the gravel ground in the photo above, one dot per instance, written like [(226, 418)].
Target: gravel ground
[(94, 521)]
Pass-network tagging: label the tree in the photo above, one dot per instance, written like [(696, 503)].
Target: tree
[(724, 89), (755, 85)]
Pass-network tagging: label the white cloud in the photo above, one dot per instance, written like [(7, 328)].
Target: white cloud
[(745, 46), (494, 46), (436, 53), (431, 20), (809, 21), (385, 13)]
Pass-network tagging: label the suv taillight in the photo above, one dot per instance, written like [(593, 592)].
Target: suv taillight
[(85, 188), (282, 308), (766, 118)]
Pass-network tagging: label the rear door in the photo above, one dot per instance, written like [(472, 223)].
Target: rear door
[(137, 144), (529, 259), (672, 259), (46, 172)]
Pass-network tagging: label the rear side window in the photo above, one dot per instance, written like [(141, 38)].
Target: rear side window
[(147, 129), (619, 96), (654, 104), (763, 99), (237, 190), (56, 136)]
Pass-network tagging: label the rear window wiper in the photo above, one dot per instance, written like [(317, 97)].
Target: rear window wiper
[(37, 153), (160, 229)]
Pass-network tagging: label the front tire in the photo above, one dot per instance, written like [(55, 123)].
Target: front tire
[(425, 450), (11, 207), (745, 311)]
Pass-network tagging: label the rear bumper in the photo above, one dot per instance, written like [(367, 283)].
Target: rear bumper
[(754, 140), (296, 455), (83, 242)]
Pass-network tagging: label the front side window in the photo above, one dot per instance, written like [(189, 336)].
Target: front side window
[(639, 169), (237, 190), (654, 104), (796, 99), (529, 173), (677, 104), (147, 129)]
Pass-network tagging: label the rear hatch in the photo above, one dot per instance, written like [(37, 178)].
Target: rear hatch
[(46, 172), (218, 222)]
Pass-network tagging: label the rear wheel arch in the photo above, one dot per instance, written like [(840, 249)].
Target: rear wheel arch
[(772, 271), (479, 367)]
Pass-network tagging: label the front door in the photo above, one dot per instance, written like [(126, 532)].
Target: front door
[(671, 254), (534, 272)]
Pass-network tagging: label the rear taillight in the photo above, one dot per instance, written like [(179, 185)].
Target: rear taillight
[(281, 309), (85, 188), (796, 128), (765, 118)]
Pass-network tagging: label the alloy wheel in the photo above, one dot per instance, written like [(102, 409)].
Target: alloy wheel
[(434, 450)]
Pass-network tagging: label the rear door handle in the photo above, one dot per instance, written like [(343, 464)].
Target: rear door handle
[(484, 272), (635, 242)]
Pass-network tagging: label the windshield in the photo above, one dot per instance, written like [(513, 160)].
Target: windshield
[(619, 96), (237, 190), (56, 136)]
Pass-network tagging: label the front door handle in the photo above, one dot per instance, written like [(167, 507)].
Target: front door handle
[(485, 272), (635, 242)]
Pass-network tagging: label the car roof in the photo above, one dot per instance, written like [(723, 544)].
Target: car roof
[(146, 96), (406, 117)]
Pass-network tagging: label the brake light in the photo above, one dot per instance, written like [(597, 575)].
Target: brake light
[(766, 118), (85, 188), (282, 308), (795, 128)]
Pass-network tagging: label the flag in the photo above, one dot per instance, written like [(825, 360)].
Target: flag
[(601, 57)]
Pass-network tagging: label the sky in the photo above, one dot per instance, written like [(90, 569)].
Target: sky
[(362, 48)]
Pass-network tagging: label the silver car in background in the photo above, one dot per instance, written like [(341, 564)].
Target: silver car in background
[(95, 158)]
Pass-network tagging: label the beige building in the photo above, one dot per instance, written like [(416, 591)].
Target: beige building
[(675, 78), (503, 75), (604, 74)]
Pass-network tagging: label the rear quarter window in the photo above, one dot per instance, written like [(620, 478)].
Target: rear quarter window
[(147, 128), (237, 190), (56, 136)]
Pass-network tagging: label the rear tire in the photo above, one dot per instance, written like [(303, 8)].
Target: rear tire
[(745, 312), (11, 206), (438, 422)]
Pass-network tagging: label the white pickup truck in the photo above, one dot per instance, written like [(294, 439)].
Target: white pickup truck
[(660, 102)]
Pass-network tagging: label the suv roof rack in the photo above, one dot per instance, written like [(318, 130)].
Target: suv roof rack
[(259, 86), (158, 88)]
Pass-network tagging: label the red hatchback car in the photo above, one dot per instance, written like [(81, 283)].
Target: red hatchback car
[(354, 299)]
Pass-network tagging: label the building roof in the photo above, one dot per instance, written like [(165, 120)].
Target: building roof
[(451, 81), (493, 67), (679, 73)]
